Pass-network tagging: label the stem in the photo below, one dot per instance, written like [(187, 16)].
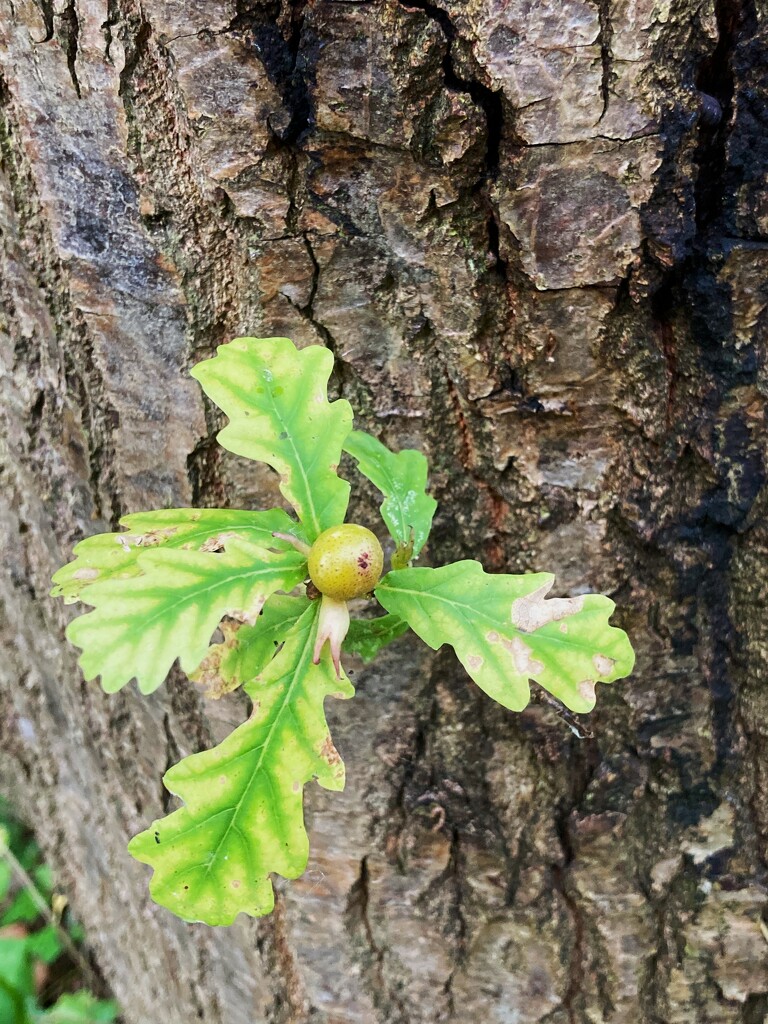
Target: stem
[(298, 544)]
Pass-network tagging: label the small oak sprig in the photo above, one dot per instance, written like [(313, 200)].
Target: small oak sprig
[(279, 589)]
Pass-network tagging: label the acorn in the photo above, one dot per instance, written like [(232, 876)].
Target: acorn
[(346, 562)]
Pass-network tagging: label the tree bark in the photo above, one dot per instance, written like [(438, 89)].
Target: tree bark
[(535, 236)]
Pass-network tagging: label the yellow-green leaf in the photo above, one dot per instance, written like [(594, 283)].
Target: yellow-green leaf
[(140, 625), (115, 555), (242, 817), (505, 633), (275, 397), (401, 477), (246, 650)]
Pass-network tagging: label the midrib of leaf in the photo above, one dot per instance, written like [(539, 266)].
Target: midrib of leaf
[(192, 597), (395, 488), (263, 748), (396, 493), (173, 542), (307, 489), (494, 622)]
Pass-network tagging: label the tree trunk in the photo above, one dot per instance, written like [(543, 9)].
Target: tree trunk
[(535, 236)]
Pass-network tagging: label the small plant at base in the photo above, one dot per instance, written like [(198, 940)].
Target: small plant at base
[(160, 589), (40, 958)]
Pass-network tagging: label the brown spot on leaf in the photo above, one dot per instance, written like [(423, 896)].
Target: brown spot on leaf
[(217, 543), (248, 615), (208, 673), (154, 537), (329, 753), (475, 662), (235, 883)]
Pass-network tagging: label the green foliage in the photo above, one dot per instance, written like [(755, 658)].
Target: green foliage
[(505, 632), (116, 555), (366, 637), (243, 816), (279, 413), (407, 509), (80, 1008), (31, 936), (246, 650), (160, 590), (142, 624)]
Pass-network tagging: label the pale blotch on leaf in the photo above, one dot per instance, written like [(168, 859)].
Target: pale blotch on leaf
[(85, 574), (531, 612), (248, 615), (587, 691), (603, 664), (522, 656), (475, 662)]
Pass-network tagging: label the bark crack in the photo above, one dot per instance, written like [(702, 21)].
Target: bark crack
[(605, 38), (715, 81), (358, 921), (172, 756), (487, 99), (275, 32), (462, 928), (45, 7), (132, 57), (70, 26), (560, 884)]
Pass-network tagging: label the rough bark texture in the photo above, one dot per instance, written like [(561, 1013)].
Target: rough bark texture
[(535, 235)]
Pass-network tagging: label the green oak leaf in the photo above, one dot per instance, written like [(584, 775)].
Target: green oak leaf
[(46, 943), (401, 477), (504, 632), (243, 814), (115, 555), (366, 637), (17, 984), (142, 624), (279, 413), (246, 650), (79, 1008)]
